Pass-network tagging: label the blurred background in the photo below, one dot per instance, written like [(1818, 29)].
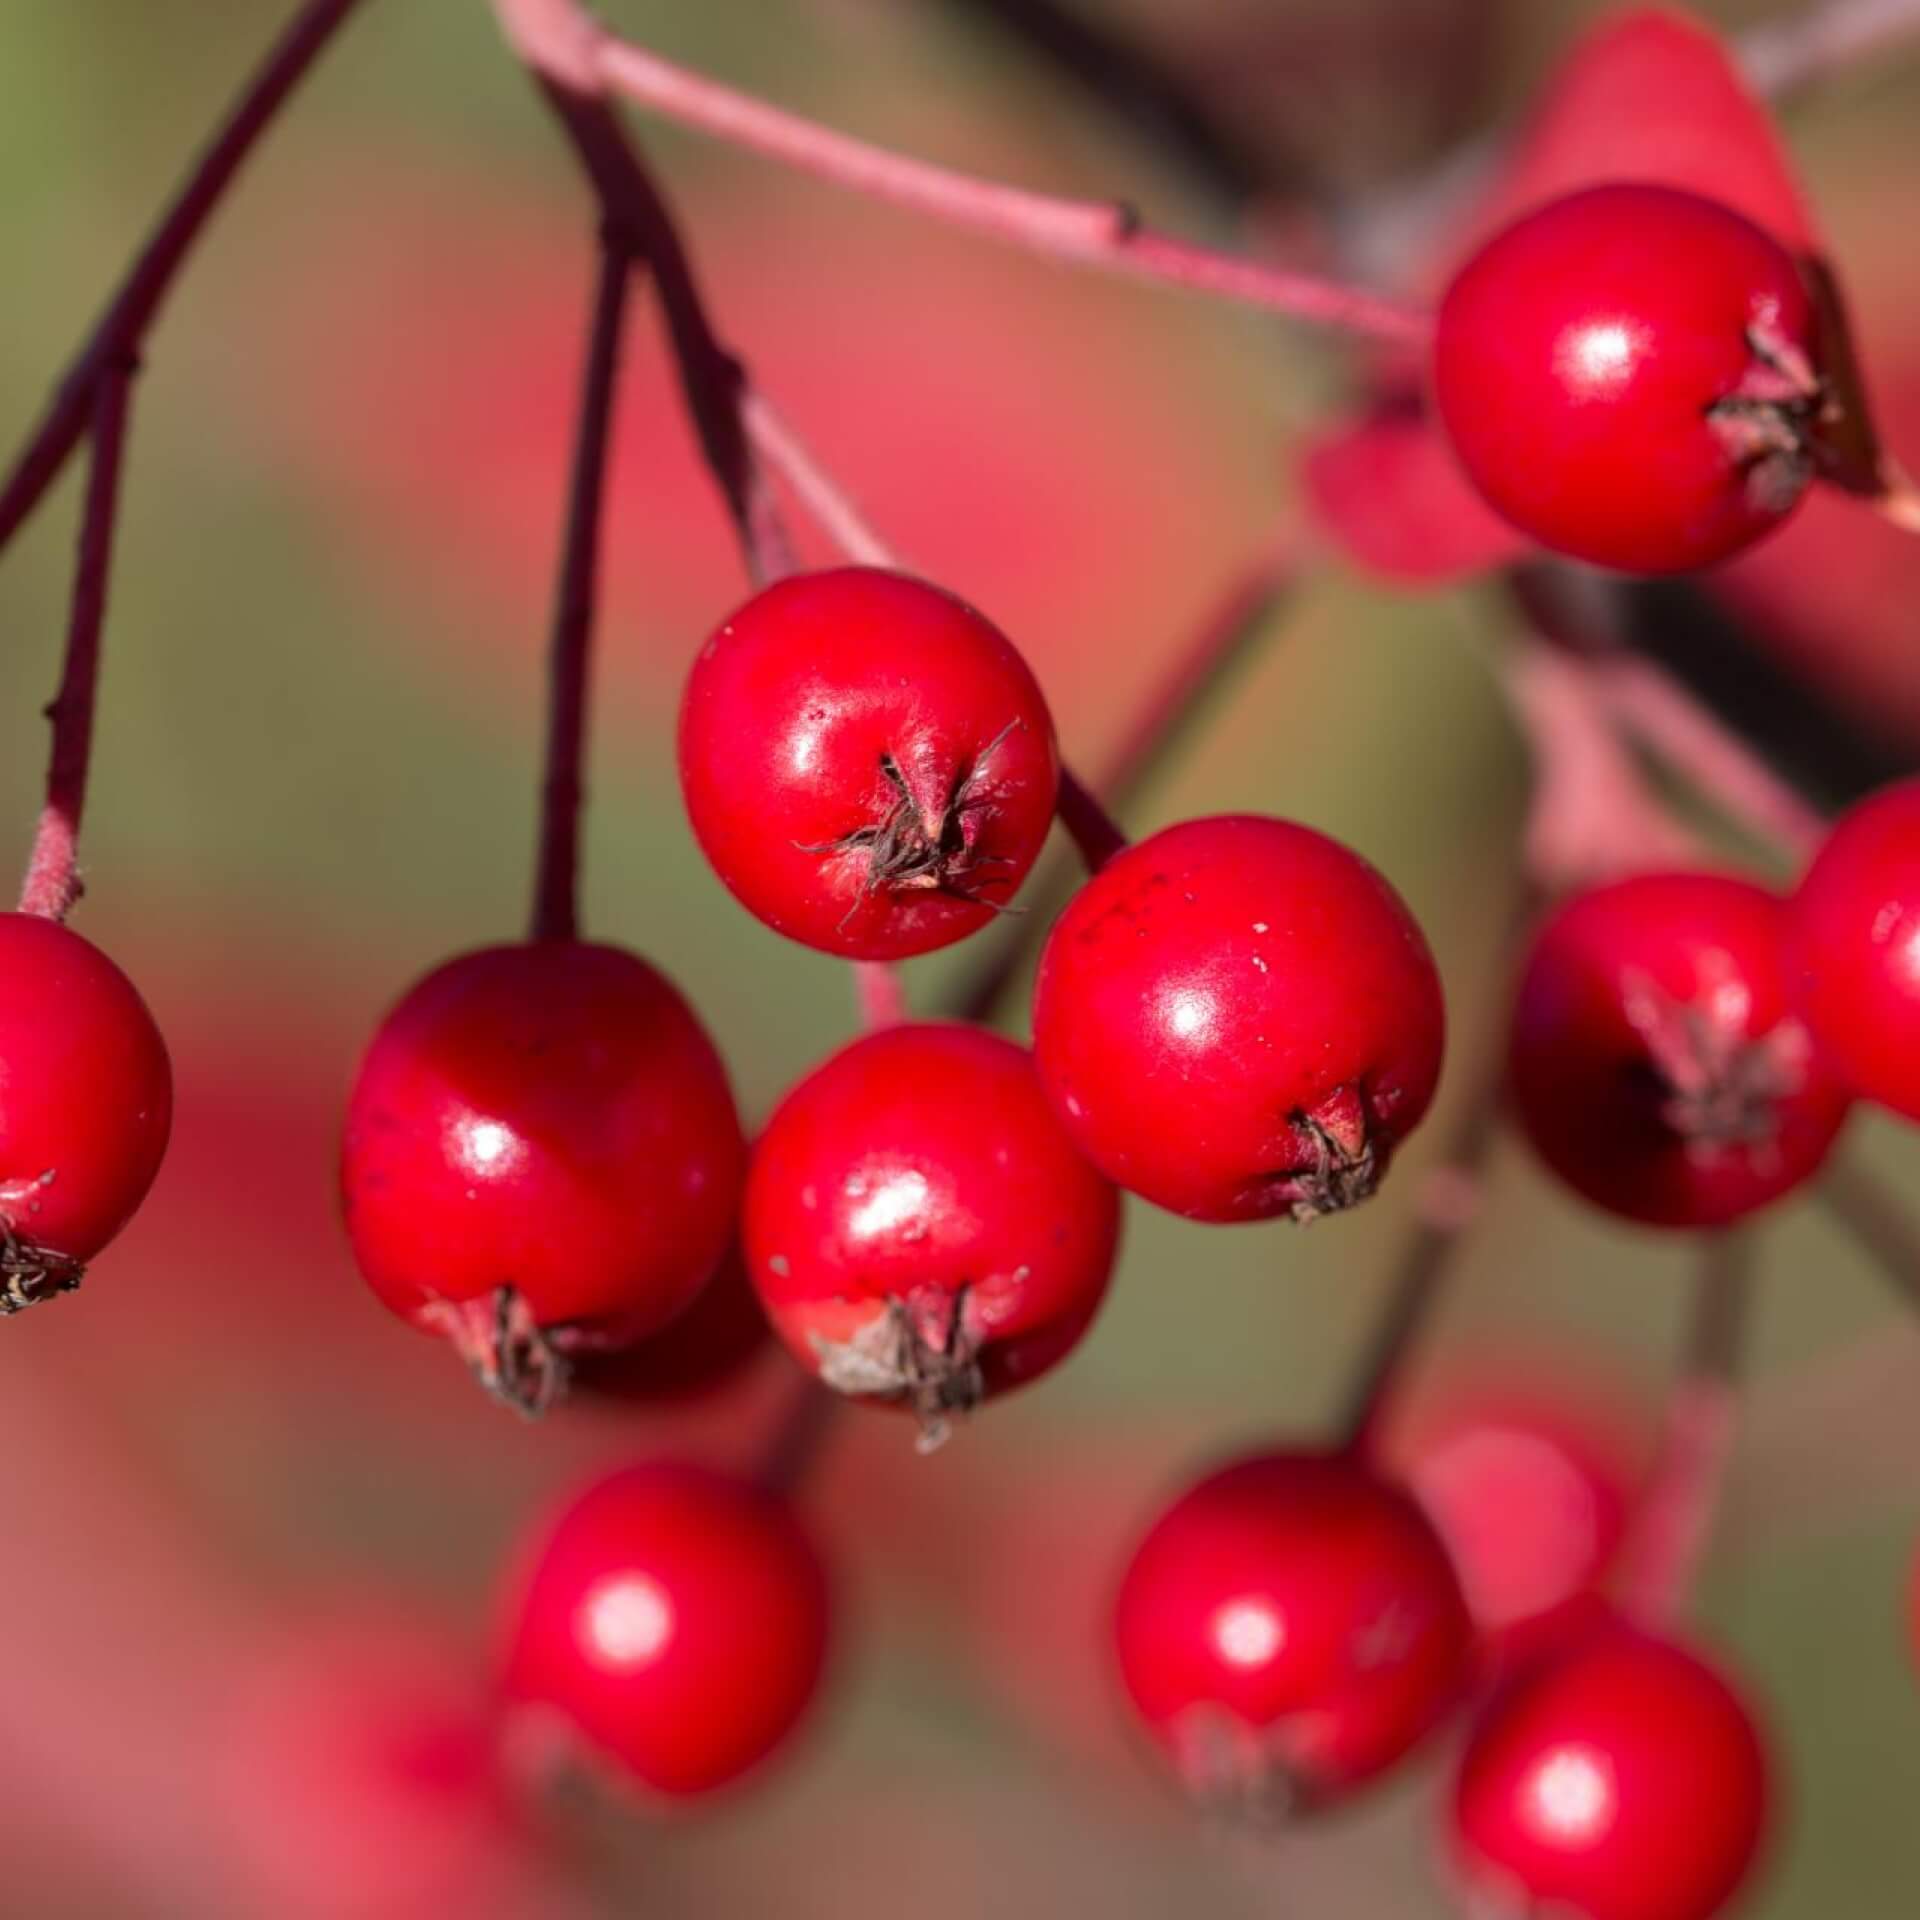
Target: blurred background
[(236, 1488)]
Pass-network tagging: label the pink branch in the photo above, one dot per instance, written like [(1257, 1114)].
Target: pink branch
[(117, 335), (556, 881), (1665, 719), (1664, 1553), (877, 990), (559, 39), (1787, 56), (829, 504), (1591, 816), (53, 880)]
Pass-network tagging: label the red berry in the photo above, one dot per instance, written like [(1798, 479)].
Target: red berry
[(1530, 1499), (1289, 1628), (86, 1103), (675, 1620), (919, 1226), (1628, 375), (541, 1152), (1657, 1067), (694, 1354), (1620, 1778), (1854, 941), (867, 762), (1238, 1018)]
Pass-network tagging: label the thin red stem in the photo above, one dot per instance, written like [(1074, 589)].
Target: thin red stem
[(829, 504), (561, 40), (1445, 1207), (557, 878), (53, 878), (881, 997), (801, 1425), (117, 335), (1870, 1209), (1094, 832), (1664, 1553)]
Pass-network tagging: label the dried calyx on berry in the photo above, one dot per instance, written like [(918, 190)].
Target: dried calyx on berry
[(1658, 1065), (919, 1227), (1238, 1018), (867, 762)]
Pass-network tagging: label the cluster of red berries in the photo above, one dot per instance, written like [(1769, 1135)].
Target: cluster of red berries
[(1236, 1019)]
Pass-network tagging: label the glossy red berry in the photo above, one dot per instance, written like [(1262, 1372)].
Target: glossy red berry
[(1289, 1628), (867, 762), (1238, 1018), (541, 1152), (86, 1102), (1657, 1066), (1619, 1778), (1629, 374), (919, 1226), (675, 1621), (1855, 945)]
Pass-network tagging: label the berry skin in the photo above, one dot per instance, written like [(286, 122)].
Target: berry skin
[(868, 764), (1854, 941), (86, 1104), (919, 1226), (1238, 1018), (1530, 1499), (1290, 1628), (675, 1619), (1657, 1067), (1627, 374), (541, 1152), (1617, 1778)]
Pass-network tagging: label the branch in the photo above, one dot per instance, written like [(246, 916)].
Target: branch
[(1788, 56), (560, 40), (556, 879), (53, 882), (1871, 1211), (118, 333), (830, 505), (1663, 1554), (1095, 834), (1591, 816)]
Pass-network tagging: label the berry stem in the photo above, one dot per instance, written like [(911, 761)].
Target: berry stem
[(1790, 55), (557, 876), (561, 41), (53, 880), (1663, 1555), (116, 336), (1222, 644), (801, 1423), (882, 999), (1091, 828), (1870, 1211), (829, 503), (1446, 1204), (713, 382)]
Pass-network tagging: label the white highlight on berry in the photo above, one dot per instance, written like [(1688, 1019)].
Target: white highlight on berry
[(626, 1620), (1247, 1633)]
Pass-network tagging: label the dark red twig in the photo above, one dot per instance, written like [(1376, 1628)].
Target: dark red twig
[(53, 879), (556, 881), (1664, 1551), (1089, 825), (1871, 1212), (117, 335)]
